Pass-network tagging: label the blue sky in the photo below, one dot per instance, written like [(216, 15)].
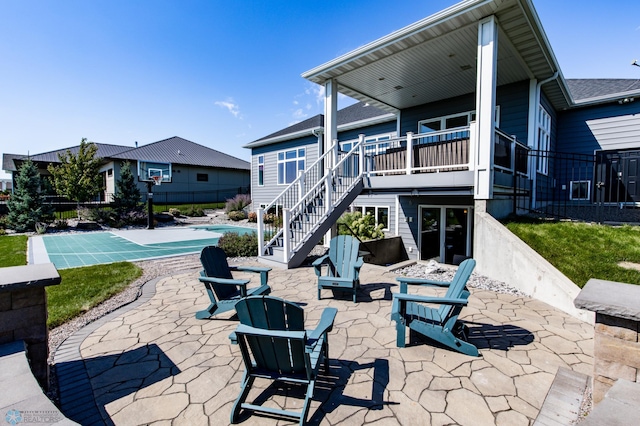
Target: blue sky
[(224, 73)]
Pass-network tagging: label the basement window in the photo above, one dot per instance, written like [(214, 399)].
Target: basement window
[(580, 190)]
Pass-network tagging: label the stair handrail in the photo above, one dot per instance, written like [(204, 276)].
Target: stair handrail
[(358, 147), (300, 176)]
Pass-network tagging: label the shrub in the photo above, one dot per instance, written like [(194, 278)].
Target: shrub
[(236, 245), (192, 211), (239, 202), (237, 215), (364, 227), (174, 212), (100, 215), (272, 218), (253, 217), (60, 224)]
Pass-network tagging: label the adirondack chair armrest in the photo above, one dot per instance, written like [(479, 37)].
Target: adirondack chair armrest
[(423, 281), (317, 264), (430, 299), (325, 325), (359, 263), (263, 271), (242, 282)]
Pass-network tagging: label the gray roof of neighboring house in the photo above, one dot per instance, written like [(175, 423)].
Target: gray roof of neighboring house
[(174, 150), (104, 151), (591, 89), (358, 112), (177, 150)]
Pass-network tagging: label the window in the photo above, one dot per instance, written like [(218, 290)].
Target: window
[(202, 177), (260, 170), (544, 139), (580, 190), (380, 213), (452, 121), (289, 164), (110, 172)]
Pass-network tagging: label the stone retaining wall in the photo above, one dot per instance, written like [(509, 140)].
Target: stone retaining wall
[(616, 345), (23, 312)]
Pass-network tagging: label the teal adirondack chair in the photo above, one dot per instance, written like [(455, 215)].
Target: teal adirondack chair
[(343, 266), (441, 325), (224, 291), (274, 345)]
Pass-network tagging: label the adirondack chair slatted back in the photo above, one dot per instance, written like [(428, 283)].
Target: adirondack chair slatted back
[(214, 262), (343, 252), (283, 354), (457, 289)]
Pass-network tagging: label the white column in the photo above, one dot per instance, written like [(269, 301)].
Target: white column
[(260, 220), (485, 107), (330, 114)]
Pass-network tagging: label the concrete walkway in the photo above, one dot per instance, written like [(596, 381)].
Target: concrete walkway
[(154, 363)]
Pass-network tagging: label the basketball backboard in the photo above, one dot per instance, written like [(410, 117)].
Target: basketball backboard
[(147, 170)]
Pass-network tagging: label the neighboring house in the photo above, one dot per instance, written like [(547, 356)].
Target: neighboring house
[(198, 173), (464, 111)]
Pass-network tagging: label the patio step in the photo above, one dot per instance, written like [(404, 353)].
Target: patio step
[(561, 407)]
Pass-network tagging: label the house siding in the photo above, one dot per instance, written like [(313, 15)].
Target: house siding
[(262, 195), (513, 100), (603, 127)]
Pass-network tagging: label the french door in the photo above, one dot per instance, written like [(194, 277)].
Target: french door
[(445, 233)]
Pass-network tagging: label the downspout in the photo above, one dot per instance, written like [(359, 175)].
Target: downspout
[(534, 179)]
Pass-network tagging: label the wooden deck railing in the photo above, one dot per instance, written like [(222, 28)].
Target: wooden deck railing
[(429, 153), (443, 151)]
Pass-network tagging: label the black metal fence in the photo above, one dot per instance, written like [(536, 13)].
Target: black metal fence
[(66, 209), (595, 188)]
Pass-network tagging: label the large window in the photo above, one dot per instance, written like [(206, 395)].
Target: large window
[(260, 170), (289, 164), (544, 140)]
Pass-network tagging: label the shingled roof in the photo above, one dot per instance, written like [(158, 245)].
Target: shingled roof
[(177, 150), (592, 89), (173, 150)]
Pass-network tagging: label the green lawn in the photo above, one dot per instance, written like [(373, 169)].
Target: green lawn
[(81, 288), (582, 251), (13, 249)]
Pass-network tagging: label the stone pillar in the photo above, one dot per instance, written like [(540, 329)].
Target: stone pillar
[(23, 312), (616, 353)]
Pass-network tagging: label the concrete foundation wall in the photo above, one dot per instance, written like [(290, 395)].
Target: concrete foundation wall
[(502, 256)]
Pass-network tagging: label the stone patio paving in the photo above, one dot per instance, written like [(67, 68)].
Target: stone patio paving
[(154, 363)]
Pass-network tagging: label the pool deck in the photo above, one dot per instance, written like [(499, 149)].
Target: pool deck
[(152, 362)]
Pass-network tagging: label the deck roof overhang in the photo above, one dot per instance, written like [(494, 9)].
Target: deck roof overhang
[(435, 58)]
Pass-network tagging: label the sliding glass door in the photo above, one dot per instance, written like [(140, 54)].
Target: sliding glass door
[(445, 233)]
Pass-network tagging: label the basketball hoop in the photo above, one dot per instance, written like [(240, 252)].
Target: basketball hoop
[(157, 180)]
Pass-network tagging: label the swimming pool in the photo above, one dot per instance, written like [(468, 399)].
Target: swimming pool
[(92, 248)]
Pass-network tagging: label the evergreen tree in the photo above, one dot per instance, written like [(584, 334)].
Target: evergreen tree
[(77, 177), (127, 197), (26, 205)]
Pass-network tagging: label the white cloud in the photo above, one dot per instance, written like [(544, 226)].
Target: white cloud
[(299, 114), (232, 107)]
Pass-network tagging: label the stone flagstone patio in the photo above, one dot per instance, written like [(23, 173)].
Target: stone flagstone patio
[(154, 363)]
